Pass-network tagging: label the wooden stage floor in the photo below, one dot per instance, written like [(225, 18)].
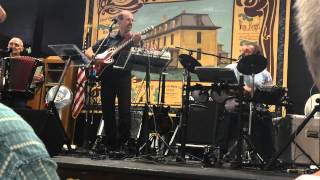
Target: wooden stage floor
[(141, 169)]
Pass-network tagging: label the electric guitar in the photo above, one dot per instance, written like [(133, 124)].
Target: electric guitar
[(105, 59), (161, 113)]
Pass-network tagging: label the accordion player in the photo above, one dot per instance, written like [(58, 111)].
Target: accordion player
[(20, 77)]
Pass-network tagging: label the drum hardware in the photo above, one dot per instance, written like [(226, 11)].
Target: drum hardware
[(189, 64), (248, 65), (252, 65), (223, 83)]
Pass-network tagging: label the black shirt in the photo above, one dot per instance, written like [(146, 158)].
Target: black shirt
[(113, 41)]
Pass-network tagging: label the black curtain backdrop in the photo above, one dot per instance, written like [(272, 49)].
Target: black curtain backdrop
[(299, 78), (43, 22)]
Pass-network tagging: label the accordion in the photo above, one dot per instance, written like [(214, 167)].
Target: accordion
[(17, 74)]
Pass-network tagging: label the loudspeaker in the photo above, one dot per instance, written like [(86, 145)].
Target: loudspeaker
[(94, 123), (46, 126), (308, 139), (200, 126)]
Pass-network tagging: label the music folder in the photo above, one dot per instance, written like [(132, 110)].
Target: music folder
[(70, 50), (216, 75)]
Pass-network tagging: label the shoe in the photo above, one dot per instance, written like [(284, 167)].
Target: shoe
[(117, 155), (132, 147)]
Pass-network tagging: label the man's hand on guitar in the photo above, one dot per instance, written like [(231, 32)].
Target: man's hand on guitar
[(136, 38)]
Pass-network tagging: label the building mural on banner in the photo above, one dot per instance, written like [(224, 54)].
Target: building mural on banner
[(208, 28)]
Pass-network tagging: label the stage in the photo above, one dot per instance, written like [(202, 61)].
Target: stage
[(138, 168)]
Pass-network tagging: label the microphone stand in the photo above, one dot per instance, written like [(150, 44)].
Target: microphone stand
[(205, 53), (91, 76), (114, 21)]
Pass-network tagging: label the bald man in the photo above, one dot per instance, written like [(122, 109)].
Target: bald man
[(16, 46), (117, 83), (18, 99)]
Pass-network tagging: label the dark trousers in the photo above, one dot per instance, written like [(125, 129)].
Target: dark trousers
[(261, 132), (116, 83)]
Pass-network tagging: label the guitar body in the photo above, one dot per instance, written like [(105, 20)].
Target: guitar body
[(103, 60)]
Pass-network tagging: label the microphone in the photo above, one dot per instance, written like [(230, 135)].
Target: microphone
[(114, 21), (8, 50), (240, 57), (5, 52)]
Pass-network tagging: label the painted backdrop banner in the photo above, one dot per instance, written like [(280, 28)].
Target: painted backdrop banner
[(255, 21)]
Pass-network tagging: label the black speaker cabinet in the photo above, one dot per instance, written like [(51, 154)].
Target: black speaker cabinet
[(200, 126), (95, 121), (46, 126)]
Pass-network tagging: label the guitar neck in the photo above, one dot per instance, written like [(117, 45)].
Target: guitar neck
[(123, 45)]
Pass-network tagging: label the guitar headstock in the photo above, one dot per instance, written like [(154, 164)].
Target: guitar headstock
[(147, 29)]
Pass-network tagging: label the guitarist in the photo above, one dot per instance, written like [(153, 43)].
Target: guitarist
[(117, 83)]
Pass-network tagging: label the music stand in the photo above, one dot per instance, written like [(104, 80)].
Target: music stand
[(66, 52), (216, 75)]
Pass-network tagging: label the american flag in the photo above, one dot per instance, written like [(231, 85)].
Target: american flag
[(79, 98)]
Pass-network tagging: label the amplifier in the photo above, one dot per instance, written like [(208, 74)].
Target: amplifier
[(308, 139), (96, 126)]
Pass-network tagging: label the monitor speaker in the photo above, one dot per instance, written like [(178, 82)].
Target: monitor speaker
[(46, 126)]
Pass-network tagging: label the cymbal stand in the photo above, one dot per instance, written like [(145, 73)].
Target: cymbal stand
[(250, 149), (90, 73), (185, 115), (243, 155)]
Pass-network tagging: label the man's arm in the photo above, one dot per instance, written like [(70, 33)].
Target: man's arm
[(3, 14), (89, 52)]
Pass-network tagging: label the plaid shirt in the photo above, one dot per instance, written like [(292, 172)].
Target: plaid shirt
[(22, 153)]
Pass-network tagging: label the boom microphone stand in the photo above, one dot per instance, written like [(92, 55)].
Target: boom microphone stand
[(91, 79)]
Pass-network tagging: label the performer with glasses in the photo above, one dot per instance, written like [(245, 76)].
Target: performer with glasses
[(117, 83)]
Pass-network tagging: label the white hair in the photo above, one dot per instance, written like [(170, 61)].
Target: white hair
[(308, 22)]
